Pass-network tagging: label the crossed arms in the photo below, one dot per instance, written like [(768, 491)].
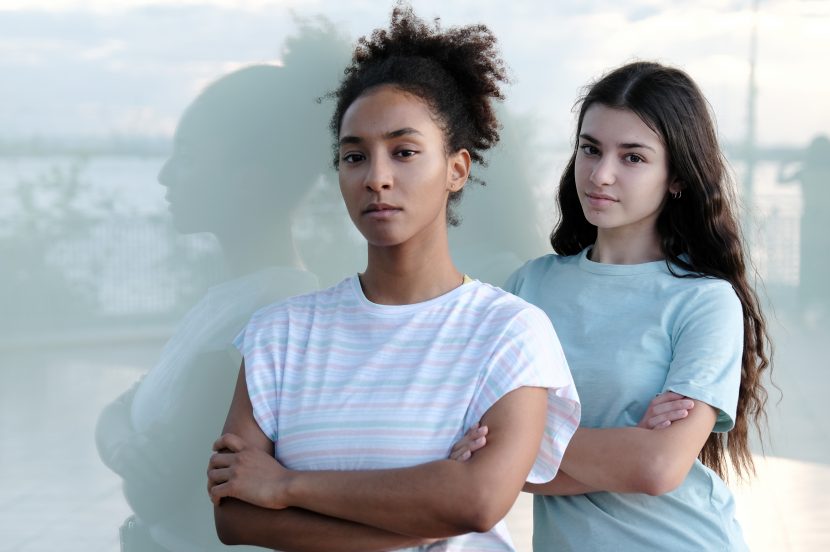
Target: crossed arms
[(258, 501), (652, 458)]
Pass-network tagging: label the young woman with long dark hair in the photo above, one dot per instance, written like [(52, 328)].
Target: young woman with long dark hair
[(649, 293)]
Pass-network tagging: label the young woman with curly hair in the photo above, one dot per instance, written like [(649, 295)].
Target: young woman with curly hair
[(649, 294), (314, 456)]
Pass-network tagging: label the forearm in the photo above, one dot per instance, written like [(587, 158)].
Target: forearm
[(439, 499), (625, 460), (296, 530), (113, 427), (562, 485)]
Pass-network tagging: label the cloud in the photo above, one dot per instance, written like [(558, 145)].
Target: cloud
[(158, 55)]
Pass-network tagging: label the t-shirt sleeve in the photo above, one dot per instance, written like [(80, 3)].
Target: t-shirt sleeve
[(514, 282), (529, 355), (707, 345), (258, 346)]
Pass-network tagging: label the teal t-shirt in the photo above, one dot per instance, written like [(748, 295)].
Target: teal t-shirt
[(630, 332)]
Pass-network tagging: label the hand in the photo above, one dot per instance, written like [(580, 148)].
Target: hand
[(473, 440), (141, 459), (664, 409), (249, 474)]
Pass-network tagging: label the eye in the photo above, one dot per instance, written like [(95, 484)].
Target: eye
[(352, 157), (405, 153), (633, 158), (589, 149)]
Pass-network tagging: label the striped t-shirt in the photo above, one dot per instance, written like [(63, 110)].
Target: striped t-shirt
[(341, 383)]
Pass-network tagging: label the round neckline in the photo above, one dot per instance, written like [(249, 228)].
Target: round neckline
[(588, 265), (399, 309)]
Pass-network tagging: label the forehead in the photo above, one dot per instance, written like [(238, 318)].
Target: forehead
[(387, 109), (618, 126)]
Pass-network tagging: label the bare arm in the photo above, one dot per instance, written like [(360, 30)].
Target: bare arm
[(637, 460), (438, 499), (663, 410), (292, 529), (441, 498), (561, 485)]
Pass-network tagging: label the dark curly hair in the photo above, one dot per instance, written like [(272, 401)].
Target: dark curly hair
[(458, 73), (699, 232)]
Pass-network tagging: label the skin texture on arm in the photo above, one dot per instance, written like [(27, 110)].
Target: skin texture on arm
[(561, 485), (291, 529), (434, 500), (442, 498), (638, 460), (663, 410)]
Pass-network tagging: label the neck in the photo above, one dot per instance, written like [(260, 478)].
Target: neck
[(409, 273), (247, 250), (627, 246)]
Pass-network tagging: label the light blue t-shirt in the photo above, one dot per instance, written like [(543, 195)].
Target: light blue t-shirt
[(630, 332)]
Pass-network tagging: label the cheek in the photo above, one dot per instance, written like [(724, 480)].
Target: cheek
[(655, 193), (347, 192), (582, 171)]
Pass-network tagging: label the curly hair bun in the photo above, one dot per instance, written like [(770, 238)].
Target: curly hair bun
[(458, 72)]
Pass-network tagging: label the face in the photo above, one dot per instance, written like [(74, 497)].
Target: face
[(621, 169), (395, 174), (196, 176)]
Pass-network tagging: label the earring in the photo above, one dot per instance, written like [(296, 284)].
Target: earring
[(677, 195)]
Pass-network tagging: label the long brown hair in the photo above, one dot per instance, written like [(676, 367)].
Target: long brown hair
[(699, 232)]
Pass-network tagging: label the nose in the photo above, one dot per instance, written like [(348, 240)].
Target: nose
[(165, 173), (603, 173), (379, 175)]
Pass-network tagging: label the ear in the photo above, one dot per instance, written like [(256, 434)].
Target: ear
[(458, 169), (676, 186)]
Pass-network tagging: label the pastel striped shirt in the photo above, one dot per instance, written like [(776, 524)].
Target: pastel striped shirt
[(341, 383)]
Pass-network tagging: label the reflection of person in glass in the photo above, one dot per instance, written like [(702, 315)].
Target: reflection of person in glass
[(245, 153), (814, 176), (334, 380)]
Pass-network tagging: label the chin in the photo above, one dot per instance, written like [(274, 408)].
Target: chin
[(377, 239), (185, 226)]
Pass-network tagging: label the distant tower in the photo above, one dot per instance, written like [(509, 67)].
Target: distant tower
[(749, 140)]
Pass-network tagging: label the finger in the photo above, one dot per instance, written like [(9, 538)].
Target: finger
[(466, 456), (672, 416), (681, 404), (217, 476), (478, 444), (476, 431), (221, 460), (218, 492), (460, 446), (472, 434), (663, 425), (665, 397), (229, 441), (457, 454)]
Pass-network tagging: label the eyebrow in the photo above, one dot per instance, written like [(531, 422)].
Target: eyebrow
[(625, 145), (407, 131)]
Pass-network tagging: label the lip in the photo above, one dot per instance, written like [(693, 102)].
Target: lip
[(600, 200), (381, 210)]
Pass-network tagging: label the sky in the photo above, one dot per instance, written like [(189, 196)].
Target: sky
[(98, 68)]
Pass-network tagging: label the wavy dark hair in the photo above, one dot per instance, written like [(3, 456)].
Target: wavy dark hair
[(458, 72), (699, 232)]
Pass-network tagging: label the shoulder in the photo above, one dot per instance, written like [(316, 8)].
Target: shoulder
[(540, 269), (510, 316), (706, 307), (706, 292), (305, 304)]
